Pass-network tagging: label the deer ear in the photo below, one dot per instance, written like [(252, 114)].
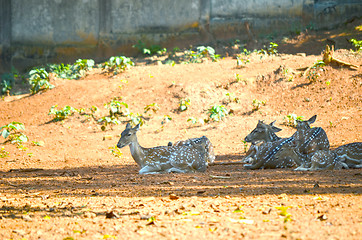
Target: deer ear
[(276, 129), (312, 119), (137, 127), (128, 126)]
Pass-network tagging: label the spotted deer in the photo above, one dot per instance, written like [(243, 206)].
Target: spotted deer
[(267, 156), (309, 140), (210, 155), (188, 157), (350, 154), (262, 133)]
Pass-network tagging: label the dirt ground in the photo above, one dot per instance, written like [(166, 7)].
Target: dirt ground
[(73, 187)]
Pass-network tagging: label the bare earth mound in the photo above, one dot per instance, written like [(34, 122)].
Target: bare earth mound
[(73, 187)]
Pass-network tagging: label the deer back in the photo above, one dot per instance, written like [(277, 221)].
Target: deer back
[(267, 156)]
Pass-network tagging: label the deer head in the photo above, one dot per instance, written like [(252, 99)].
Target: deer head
[(128, 136), (263, 132)]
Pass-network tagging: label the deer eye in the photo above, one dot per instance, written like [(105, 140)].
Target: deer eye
[(129, 134)]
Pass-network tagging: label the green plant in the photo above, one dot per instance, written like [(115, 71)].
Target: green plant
[(3, 153), (152, 107), (357, 44), (184, 104), (62, 114), (232, 98), (108, 121), (217, 112), (241, 61), (166, 119), (245, 145), (208, 52), (314, 71), (202, 52), (292, 119), (194, 120), (13, 132), (272, 48), (135, 118), (149, 50), (7, 82), (283, 212), (117, 108), (257, 104), (39, 80), (118, 64), (116, 151), (75, 71)]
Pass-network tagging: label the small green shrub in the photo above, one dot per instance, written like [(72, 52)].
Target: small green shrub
[(117, 108), (184, 104), (7, 82), (75, 71), (217, 113), (3, 153), (62, 114), (257, 104), (116, 151), (118, 64), (315, 71), (39, 80), (291, 119), (152, 107), (13, 132), (149, 50), (357, 44), (202, 52)]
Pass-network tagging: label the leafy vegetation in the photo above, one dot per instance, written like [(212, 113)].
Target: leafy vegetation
[(75, 71), (12, 131), (357, 44), (3, 153), (315, 70), (257, 104), (217, 113), (291, 119), (39, 80), (184, 104), (149, 50), (152, 107), (7, 82), (117, 64), (62, 114), (116, 151), (201, 52)]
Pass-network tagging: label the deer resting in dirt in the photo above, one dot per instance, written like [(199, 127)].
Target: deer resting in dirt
[(309, 140), (350, 154), (267, 156), (320, 160), (189, 157), (262, 133), (210, 155)]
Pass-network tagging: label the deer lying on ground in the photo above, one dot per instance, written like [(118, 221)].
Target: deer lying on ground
[(188, 157), (309, 140), (267, 156), (350, 154), (262, 133), (210, 155), (320, 160)]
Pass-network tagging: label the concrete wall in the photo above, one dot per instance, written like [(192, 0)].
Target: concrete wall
[(40, 31)]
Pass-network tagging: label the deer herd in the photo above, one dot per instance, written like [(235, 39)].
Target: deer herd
[(307, 149)]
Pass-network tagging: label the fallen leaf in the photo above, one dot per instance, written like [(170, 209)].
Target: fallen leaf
[(173, 196)]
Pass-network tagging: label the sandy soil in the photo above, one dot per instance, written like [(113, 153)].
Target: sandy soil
[(73, 187)]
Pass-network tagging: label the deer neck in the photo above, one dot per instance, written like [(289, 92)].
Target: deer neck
[(272, 136), (137, 152)]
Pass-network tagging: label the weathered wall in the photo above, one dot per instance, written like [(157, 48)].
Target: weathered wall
[(39, 31)]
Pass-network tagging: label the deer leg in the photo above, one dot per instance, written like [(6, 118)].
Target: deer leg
[(250, 154), (150, 169)]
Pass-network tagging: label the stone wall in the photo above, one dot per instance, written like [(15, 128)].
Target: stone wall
[(34, 32)]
